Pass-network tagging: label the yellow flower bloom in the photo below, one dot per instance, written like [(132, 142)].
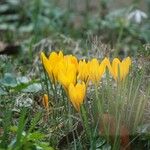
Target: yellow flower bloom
[(77, 94), (67, 74), (83, 70), (67, 70), (103, 65), (55, 59), (47, 65), (125, 66), (96, 70), (71, 60), (116, 68), (51, 63), (45, 101), (120, 70)]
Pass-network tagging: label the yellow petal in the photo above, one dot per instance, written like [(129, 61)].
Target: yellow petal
[(67, 75), (96, 70), (77, 94), (125, 65), (120, 69), (46, 65), (45, 101), (102, 67), (116, 68), (83, 71)]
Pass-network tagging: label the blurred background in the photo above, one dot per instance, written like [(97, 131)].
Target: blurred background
[(123, 25)]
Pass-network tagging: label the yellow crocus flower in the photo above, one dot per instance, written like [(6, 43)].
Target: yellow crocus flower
[(45, 101), (67, 71), (116, 68), (47, 65), (66, 77), (120, 69), (83, 70), (54, 59), (103, 65), (77, 94), (125, 66), (51, 63), (96, 70)]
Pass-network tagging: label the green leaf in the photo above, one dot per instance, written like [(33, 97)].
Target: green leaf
[(35, 136), (22, 122), (100, 142), (9, 80)]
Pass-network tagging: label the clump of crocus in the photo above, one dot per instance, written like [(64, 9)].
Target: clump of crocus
[(67, 70), (77, 94), (74, 76)]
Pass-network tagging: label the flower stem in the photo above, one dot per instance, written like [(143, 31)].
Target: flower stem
[(47, 86), (98, 103), (88, 132)]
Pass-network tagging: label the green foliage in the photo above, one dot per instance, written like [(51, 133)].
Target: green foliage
[(6, 125), (22, 139), (13, 84), (45, 17)]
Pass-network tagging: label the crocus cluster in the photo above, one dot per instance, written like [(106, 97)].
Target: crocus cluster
[(74, 75)]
